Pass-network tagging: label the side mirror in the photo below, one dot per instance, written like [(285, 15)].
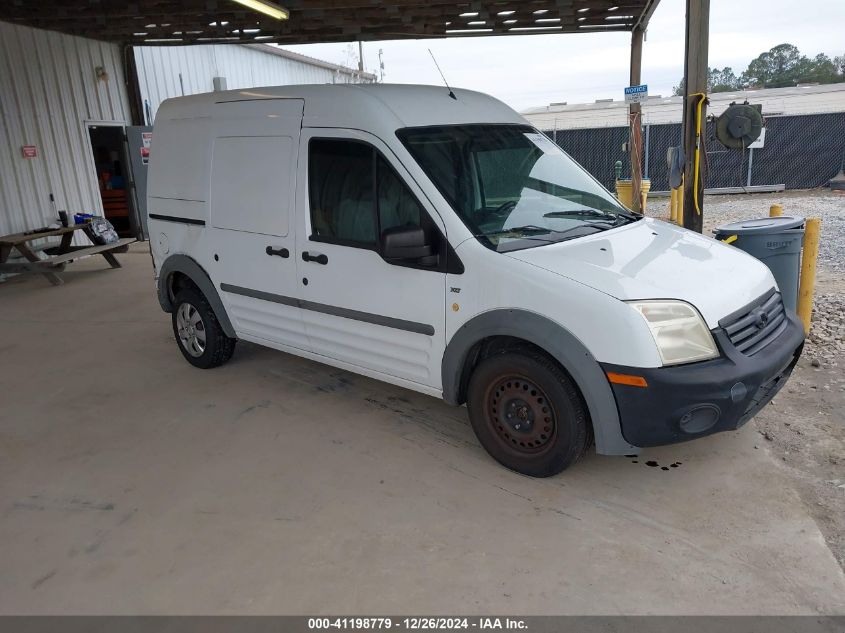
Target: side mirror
[(406, 242)]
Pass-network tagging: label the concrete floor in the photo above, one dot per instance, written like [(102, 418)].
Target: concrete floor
[(131, 482)]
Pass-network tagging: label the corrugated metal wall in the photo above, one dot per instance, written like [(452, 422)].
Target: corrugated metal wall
[(48, 89), (159, 70)]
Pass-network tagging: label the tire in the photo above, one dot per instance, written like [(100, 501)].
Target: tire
[(198, 334), (527, 413)]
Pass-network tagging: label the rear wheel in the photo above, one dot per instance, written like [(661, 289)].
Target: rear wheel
[(527, 413), (201, 340)]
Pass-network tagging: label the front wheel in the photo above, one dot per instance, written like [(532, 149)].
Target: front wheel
[(201, 340), (528, 413)]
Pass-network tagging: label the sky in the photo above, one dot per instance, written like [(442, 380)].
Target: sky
[(535, 70)]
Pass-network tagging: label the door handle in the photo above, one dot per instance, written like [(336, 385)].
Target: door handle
[(282, 252), (317, 258)]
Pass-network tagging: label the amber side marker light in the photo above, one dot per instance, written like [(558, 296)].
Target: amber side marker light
[(626, 379)]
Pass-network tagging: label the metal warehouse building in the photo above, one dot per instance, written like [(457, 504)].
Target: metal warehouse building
[(798, 100), (73, 111), (802, 147)]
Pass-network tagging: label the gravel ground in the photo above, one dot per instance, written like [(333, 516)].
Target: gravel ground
[(804, 427), (817, 203)]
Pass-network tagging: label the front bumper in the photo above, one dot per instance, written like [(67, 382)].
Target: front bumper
[(688, 401)]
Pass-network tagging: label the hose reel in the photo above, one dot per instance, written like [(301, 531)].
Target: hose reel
[(739, 125)]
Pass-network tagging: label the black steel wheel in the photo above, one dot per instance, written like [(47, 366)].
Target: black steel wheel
[(527, 413)]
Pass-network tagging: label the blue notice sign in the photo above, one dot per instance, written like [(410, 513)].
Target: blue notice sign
[(636, 93)]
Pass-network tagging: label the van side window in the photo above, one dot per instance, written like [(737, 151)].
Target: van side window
[(340, 182), (355, 195), (397, 206)]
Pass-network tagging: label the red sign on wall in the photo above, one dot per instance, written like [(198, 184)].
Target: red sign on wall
[(29, 151)]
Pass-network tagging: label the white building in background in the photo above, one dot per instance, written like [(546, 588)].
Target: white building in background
[(173, 71), (810, 99), (69, 100)]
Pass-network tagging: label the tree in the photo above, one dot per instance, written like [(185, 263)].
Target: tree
[(820, 69), (723, 80), (776, 68), (781, 66)]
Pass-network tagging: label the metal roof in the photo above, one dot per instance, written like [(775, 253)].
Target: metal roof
[(176, 22), (806, 99)]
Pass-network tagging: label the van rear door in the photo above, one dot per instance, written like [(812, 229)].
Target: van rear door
[(252, 194)]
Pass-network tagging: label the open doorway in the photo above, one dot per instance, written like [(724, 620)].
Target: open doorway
[(112, 170)]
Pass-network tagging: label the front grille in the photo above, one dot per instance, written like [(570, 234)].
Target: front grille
[(757, 326)]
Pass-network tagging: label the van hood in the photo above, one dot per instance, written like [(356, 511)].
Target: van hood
[(650, 259)]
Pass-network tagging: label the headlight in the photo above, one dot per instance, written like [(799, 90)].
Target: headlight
[(679, 331)]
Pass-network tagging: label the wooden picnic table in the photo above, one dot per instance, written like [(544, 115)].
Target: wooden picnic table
[(59, 255)]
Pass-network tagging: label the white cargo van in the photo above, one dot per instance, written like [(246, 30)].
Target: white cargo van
[(440, 243)]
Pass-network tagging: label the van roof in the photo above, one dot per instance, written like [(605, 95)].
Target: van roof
[(360, 106)]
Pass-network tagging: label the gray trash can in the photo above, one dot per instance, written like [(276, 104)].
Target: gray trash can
[(777, 243)]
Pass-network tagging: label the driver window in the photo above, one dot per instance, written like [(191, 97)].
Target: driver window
[(397, 206)]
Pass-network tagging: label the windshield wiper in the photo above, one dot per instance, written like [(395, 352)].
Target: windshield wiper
[(611, 217), (523, 232), (604, 226), (579, 213)]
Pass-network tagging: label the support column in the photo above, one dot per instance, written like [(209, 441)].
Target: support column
[(695, 82), (635, 145)]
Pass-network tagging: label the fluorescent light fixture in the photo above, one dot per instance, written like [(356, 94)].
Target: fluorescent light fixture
[(506, 12), (469, 14), (584, 10), (477, 23), (461, 31), (546, 20), (535, 28), (266, 7), (510, 21)]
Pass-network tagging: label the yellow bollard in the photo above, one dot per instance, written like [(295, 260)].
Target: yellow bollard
[(672, 196), (679, 212), (775, 211), (624, 192), (807, 284)]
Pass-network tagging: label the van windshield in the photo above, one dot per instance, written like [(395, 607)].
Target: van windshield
[(512, 186)]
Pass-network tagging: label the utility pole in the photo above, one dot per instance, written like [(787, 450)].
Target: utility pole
[(695, 90), (360, 55), (635, 145)]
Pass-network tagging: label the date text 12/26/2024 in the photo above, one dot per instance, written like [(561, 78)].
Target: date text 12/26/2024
[(416, 624)]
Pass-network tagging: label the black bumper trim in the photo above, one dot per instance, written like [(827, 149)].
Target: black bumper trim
[(689, 401)]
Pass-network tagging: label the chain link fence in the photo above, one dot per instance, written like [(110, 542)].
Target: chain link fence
[(800, 152)]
